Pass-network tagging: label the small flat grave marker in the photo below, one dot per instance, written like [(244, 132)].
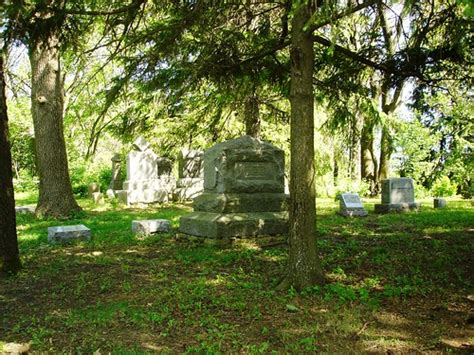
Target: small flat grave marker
[(150, 226), (65, 234), (25, 210), (351, 206)]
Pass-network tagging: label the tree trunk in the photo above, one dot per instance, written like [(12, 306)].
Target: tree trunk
[(252, 116), (386, 150), (8, 238), (304, 267), (55, 193), (368, 170)]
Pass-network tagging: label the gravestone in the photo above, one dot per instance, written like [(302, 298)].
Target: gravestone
[(92, 188), (98, 198), (439, 202), (351, 206), (142, 185), (243, 192), (64, 234), (190, 181), (398, 195), (25, 209), (151, 226), (165, 171), (116, 181)]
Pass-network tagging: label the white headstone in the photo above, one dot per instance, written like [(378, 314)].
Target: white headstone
[(151, 226)]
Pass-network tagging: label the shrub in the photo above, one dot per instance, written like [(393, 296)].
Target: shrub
[(443, 187)]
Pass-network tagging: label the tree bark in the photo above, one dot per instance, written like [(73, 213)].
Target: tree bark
[(252, 116), (8, 237), (304, 267), (368, 170), (386, 150), (56, 198)]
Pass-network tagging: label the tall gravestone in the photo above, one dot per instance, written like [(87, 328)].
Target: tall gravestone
[(142, 184), (190, 181), (243, 192), (116, 181), (398, 195)]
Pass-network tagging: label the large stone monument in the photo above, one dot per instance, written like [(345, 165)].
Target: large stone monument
[(190, 175), (142, 184), (350, 205), (398, 195), (243, 192)]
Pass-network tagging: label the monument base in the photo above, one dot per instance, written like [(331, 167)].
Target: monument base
[(353, 212), (188, 188), (220, 225), (142, 196), (397, 207)]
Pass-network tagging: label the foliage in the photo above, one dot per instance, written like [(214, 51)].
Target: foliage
[(443, 187)]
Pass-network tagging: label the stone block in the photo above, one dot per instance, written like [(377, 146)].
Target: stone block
[(151, 226), (65, 234), (439, 203), (142, 196), (221, 225), (397, 207), (25, 209), (243, 202)]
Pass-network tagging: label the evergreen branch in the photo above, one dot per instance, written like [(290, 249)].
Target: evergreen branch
[(311, 25)]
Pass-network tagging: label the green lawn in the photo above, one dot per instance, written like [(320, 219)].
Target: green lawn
[(399, 282)]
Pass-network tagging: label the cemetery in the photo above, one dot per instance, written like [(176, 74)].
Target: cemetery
[(236, 178)]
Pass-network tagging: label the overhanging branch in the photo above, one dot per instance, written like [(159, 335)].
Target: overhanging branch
[(312, 25)]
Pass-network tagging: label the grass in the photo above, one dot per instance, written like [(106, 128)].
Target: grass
[(397, 282)]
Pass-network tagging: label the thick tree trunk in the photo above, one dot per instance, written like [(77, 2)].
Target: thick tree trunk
[(368, 165), (8, 238), (55, 193), (252, 116), (386, 150), (304, 267)]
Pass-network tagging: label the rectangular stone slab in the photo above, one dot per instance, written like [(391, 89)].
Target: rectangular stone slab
[(217, 225), (397, 207), (64, 234), (150, 226), (243, 202), (25, 209)]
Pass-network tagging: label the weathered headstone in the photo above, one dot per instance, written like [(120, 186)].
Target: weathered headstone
[(116, 181), (243, 192), (142, 184), (151, 226), (398, 195), (439, 202), (98, 198), (350, 205), (94, 187), (64, 234), (190, 175), (25, 210)]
